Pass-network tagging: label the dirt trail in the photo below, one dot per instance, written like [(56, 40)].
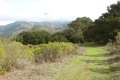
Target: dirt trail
[(3, 78)]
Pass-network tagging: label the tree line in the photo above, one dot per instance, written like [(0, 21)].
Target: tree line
[(81, 30)]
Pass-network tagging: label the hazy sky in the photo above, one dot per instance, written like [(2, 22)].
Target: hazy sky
[(50, 10)]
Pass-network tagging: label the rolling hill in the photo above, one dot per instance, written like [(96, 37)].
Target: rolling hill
[(19, 26)]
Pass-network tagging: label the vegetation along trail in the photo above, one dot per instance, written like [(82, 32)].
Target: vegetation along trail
[(93, 65)]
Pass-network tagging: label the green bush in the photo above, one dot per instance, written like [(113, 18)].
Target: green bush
[(58, 37), (14, 55), (33, 37), (53, 51)]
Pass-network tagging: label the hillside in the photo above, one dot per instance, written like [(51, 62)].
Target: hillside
[(19, 26)]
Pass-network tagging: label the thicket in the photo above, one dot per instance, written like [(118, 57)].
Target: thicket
[(105, 28), (33, 37), (54, 51), (114, 58), (58, 37), (14, 55)]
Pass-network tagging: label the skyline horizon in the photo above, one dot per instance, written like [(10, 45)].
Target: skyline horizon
[(59, 20), (55, 10)]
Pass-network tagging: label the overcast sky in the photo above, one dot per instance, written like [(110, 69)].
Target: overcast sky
[(50, 10)]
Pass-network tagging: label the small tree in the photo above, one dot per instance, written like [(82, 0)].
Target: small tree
[(76, 29)]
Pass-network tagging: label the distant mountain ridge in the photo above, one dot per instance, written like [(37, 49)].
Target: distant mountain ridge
[(19, 26)]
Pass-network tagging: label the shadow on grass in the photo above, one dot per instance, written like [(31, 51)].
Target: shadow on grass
[(91, 44)]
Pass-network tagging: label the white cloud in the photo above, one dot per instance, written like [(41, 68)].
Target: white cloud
[(5, 22), (38, 10), (3, 7)]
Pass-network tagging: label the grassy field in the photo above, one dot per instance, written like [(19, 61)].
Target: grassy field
[(91, 65)]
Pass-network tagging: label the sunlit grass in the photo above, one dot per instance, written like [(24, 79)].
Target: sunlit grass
[(78, 69)]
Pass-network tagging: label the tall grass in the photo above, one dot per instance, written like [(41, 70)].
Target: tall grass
[(13, 55)]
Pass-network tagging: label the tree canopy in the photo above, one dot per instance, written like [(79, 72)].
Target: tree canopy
[(106, 26), (76, 28)]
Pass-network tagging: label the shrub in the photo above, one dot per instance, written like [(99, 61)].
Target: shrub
[(114, 58), (33, 37), (54, 50), (15, 56), (1, 50)]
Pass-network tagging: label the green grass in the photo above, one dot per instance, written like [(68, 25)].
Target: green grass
[(91, 65), (79, 69), (95, 51)]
